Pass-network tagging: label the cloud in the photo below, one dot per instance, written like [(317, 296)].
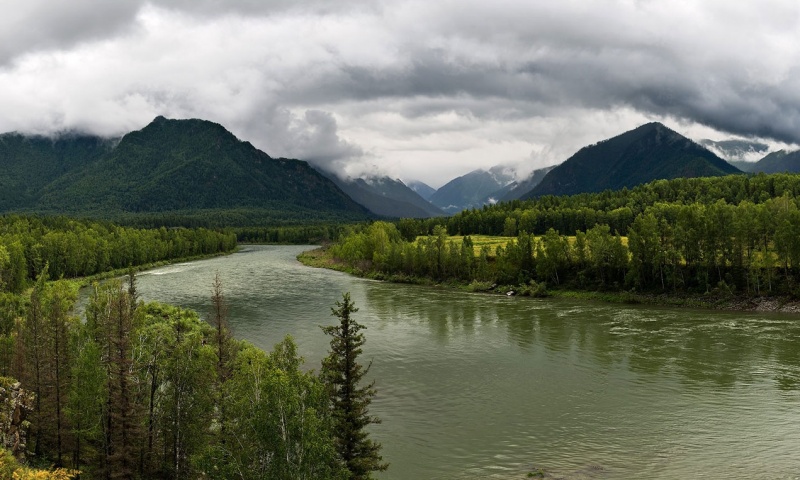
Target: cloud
[(412, 88), (313, 137)]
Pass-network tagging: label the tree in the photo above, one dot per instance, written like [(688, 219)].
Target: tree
[(350, 402), (279, 424)]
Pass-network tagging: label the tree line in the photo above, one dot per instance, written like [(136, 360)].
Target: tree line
[(152, 391), (75, 248), (617, 209), (748, 248)]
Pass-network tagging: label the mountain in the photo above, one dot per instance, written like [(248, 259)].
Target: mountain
[(29, 163), (647, 153), (423, 190), (472, 190), (778, 162), (190, 166), (743, 165), (386, 197), (517, 190)]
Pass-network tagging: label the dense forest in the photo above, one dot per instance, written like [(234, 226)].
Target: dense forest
[(734, 235), (140, 390), (75, 248)]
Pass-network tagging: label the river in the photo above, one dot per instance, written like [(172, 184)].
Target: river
[(473, 386)]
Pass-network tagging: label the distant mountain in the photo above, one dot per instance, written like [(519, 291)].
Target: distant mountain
[(386, 197), (736, 151), (29, 162), (472, 190), (189, 166), (423, 190), (517, 190), (743, 165), (778, 162), (647, 153)]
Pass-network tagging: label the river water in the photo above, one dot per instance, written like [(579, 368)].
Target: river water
[(474, 386)]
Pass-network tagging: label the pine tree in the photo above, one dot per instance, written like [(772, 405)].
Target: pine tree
[(350, 402)]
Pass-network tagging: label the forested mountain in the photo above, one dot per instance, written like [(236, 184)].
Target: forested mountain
[(647, 153), (517, 190), (423, 189), (473, 190), (192, 168), (28, 163), (778, 162), (192, 165), (386, 197)]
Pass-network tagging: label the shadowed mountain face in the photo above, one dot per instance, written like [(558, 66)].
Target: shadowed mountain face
[(29, 163), (519, 189), (423, 190), (778, 162), (473, 190), (647, 153), (185, 165), (386, 197)]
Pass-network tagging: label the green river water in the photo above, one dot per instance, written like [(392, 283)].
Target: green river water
[(474, 386)]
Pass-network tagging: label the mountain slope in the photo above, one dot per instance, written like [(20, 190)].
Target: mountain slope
[(472, 190), (386, 197), (517, 190), (29, 163), (778, 162), (190, 165), (423, 189), (647, 153)]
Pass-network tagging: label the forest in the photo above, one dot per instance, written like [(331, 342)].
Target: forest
[(139, 390), (734, 235), (77, 248), (135, 390)]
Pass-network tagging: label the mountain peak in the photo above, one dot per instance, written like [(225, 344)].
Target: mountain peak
[(649, 152)]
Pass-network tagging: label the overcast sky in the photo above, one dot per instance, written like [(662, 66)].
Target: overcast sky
[(424, 89)]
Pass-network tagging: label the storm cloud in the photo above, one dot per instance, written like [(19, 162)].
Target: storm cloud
[(415, 89)]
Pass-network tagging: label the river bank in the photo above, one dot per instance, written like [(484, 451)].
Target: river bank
[(320, 258), (80, 282)]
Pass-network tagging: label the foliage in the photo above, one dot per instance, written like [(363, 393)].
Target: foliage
[(11, 469), (342, 375), (152, 391), (684, 235), (74, 248)]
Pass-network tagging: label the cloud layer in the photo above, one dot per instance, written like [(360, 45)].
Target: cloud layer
[(415, 89)]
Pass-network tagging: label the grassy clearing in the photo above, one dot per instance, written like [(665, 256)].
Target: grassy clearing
[(480, 241)]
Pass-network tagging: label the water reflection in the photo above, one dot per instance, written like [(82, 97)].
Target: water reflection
[(475, 386), (719, 349)]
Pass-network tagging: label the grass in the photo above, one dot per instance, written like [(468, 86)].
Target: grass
[(480, 241)]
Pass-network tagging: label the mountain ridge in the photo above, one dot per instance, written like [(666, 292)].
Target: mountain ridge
[(190, 165), (649, 152)]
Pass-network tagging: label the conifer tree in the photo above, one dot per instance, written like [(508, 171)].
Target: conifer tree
[(342, 374)]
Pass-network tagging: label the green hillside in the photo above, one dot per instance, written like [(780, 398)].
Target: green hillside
[(29, 163), (647, 153), (172, 167)]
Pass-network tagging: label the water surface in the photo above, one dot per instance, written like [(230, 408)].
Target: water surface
[(475, 386)]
